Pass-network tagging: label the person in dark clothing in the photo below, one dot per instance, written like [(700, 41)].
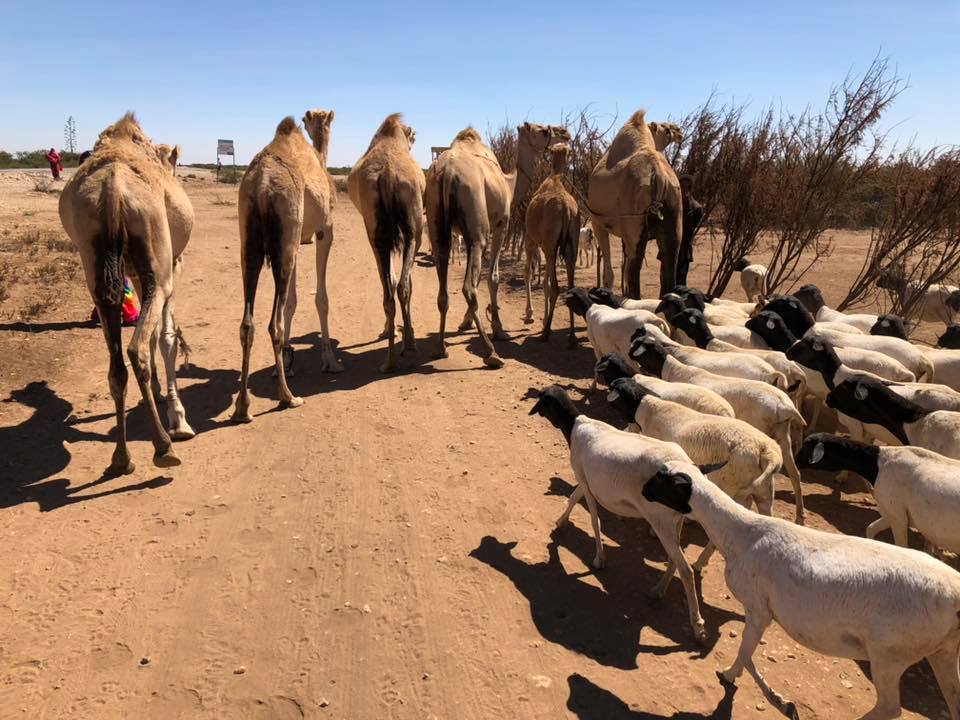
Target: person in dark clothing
[(692, 216), (84, 155)]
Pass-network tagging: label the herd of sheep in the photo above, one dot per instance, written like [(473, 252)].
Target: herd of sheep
[(718, 398)]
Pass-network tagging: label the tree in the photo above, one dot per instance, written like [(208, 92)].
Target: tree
[(70, 135)]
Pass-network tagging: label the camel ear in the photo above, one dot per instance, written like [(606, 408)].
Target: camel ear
[(175, 155), (330, 117)]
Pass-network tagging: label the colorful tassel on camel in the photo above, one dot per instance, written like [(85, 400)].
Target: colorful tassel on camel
[(128, 311)]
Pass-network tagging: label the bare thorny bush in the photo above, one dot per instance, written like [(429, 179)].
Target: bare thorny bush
[(917, 240)]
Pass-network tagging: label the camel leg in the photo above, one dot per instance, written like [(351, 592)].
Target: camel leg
[(669, 237), (493, 284), (169, 347), (443, 299), (632, 265), (289, 308), (109, 302), (157, 288), (528, 281), (471, 281), (388, 281), (550, 292), (405, 289), (284, 261), (603, 252), (945, 669), (570, 250), (252, 263), (328, 361)]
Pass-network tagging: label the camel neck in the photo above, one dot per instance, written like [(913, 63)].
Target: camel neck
[(520, 179), (322, 146)]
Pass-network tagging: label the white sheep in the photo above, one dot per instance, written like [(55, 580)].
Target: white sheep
[(748, 367), (946, 366), (812, 299), (747, 308), (673, 304), (911, 357), (939, 303), (609, 329), (913, 487), (837, 595), (762, 406), (751, 457), (610, 466), (613, 366), (872, 402), (752, 276)]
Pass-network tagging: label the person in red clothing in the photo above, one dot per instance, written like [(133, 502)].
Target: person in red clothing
[(53, 157)]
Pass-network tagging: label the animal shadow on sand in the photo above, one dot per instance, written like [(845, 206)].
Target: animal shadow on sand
[(552, 357), (602, 623), (34, 451), (361, 367), (590, 702), (56, 326)]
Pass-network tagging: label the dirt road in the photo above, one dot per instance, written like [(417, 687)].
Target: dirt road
[(384, 551)]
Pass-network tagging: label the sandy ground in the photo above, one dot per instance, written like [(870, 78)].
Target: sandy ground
[(384, 551)]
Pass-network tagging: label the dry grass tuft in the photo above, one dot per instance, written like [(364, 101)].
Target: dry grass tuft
[(223, 201)]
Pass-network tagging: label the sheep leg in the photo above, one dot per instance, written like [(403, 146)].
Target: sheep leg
[(669, 536), (885, 672), (574, 499), (945, 669), (786, 446), (599, 559), (752, 634)]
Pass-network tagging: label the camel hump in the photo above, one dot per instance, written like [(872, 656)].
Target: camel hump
[(468, 134), (126, 128), (286, 126), (639, 118)]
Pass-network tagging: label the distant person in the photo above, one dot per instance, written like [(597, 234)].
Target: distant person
[(53, 157), (692, 217), (218, 168)]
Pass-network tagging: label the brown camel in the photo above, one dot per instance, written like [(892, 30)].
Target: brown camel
[(285, 195), (386, 186), (468, 192), (127, 214), (552, 225), (634, 194), (169, 155)]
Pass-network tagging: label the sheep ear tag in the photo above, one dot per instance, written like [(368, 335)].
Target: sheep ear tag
[(771, 325), (817, 345), (861, 392), (692, 320), (640, 350), (612, 395), (885, 323), (817, 454)]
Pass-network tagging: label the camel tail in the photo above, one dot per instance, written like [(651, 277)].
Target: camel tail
[(394, 224), (442, 228), (110, 246), (264, 236)]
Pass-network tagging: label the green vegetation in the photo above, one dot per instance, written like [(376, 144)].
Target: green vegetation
[(35, 159)]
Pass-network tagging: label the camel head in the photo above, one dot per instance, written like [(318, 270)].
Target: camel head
[(411, 134), (665, 133), (317, 123), (168, 156), (558, 157), (540, 137)]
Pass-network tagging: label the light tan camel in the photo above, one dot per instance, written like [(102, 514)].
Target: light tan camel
[(386, 186), (285, 195), (665, 134), (468, 192), (127, 214), (634, 194), (169, 155), (552, 225)]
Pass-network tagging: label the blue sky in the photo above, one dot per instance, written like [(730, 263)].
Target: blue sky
[(197, 71)]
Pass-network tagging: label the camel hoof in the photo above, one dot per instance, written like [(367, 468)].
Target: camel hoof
[(528, 319), (441, 353), (388, 366), (184, 432), (120, 467), (790, 710), (544, 337), (700, 634), (801, 519), (465, 325), (331, 366), (166, 458), (409, 347), (499, 334), (241, 415), (493, 361), (723, 679), (599, 562), (293, 402)]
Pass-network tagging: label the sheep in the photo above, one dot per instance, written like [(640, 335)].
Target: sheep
[(946, 366), (747, 308), (812, 299), (837, 595), (870, 401), (820, 356), (911, 357), (940, 302), (752, 458), (609, 466), (692, 324), (890, 325), (609, 329), (752, 276), (912, 486), (613, 366), (672, 304), (950, 338), (606, 297), (800, 321), (774, 331), (762, 406), (747, 367)]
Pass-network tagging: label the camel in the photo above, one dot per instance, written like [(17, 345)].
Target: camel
[(169, 155), (123, 207), (285, 195), (634, 194), (552, 225), (386, 186), (468, 192)]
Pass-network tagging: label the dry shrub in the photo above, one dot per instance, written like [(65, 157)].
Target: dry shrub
[(46, 186), (917, 239), (221, 200), (340, 183), (33, 240), (229, 176), (6, 280)]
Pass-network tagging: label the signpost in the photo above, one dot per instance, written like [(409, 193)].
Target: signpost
[(225, 147)]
